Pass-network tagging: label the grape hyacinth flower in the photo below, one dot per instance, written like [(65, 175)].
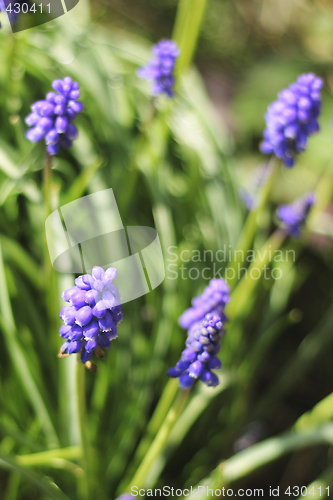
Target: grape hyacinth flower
[(199, 357), (94, 311), (161, 68), (53, 118), (212, 300), (295, 214), (292, 118), (204, 321), (248, 198), (250, 194)]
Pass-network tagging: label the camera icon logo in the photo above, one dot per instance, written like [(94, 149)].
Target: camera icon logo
[(89, 232)]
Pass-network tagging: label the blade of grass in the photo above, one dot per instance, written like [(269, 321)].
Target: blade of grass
[(42, 483), (20, 364)]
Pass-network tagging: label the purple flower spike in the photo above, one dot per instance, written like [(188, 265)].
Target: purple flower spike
[(161, 68), (204, 321), (212, 300), (92, 318), (292, 118), (294, 215), (52, 119)]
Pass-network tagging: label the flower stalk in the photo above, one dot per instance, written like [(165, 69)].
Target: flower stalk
[(158, 444)]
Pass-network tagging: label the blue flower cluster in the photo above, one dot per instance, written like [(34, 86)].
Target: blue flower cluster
[(199, 357), (94, 312), (205, 329), (213, 300), (161, 68), (292, 118), (295, 214), (53, 118), (249, 195)]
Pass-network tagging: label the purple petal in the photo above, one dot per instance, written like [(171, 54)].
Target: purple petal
[(52, 137), (106, 322), (91, 297), (67, 314), (84, 316), (32, 119), (61, 124), (80, 283), (35, 134), (98, 272), (109, 300), (78, 299), (91, 330), (76, 333), (99, 310)]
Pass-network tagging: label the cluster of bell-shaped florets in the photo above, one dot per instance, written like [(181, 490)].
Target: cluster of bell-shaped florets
[(93, 313), (295, 214), (204, 321), (292, 118), (160, 69), (53, 118), (213, 300), (199, 358)]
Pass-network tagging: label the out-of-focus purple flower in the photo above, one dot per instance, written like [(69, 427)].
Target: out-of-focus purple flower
[(199, 358), (126, 496), (53, 118), (294, 215), (292, 118), (212, 300), (204, 322), (93, 313), (161, 68), (247, 197)]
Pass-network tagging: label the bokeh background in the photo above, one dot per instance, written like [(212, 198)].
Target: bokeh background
[(178, 167)]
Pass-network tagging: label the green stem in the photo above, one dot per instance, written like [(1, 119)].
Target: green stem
[(87, 490), (157, 418), (188, 22), (242, 294), (46, 457), (48, 184), (160, 440), (246, 238), (256, 456), (245, 462)]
